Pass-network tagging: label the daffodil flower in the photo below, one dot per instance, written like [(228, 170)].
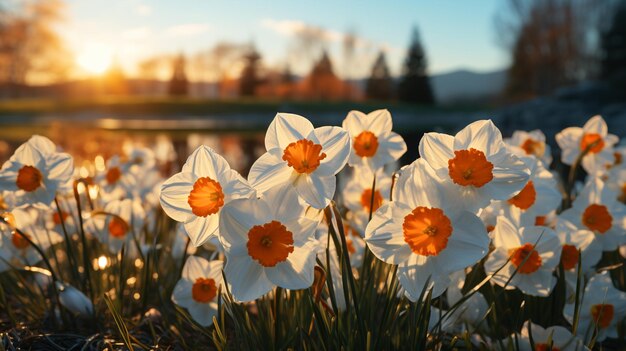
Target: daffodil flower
[(592, 138), (115, 227), (602, 307), (198, 289), (531, 143), (477, 162), (597, 209), (35, 172), (373, 143), (428, 236), (304, 157), (196, 195), (555, 338), (532, 252), (268, 241)]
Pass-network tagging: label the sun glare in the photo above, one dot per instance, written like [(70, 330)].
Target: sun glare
[(95, 58)]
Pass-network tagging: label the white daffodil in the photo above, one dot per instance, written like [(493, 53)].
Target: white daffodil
[(602, 308), (616, 181), (597, 209), (35, 172), (304, 157), (592, 138), (116, 182), (373, 143), (196, 195), (539, 196), (555, 338), (198, 289), (532, 253), (531, 143), (477, 162), (268, 241), (15, 250), (574, 239), (428, 236), (359, 198), (116, 226)]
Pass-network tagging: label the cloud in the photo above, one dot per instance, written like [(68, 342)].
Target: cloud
[(188, 29), (143, 10)]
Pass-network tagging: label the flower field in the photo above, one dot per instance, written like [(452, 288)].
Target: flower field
[(482, 243)]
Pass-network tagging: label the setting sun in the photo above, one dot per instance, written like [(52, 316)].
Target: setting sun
[(95, 58)]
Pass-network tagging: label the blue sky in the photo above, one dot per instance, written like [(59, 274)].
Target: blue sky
[(456, 34)]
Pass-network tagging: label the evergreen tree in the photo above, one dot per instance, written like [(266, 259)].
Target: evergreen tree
[(613, 44), (249, 76), (415, 86), (379, 84), (178, 85)]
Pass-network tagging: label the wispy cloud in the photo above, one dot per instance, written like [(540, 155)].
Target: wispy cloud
[(188, 29), (297, 28)]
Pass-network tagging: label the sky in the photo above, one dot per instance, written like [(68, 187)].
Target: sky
[(456, 34)]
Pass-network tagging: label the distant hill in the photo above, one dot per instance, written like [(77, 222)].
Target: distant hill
[(465, 85)]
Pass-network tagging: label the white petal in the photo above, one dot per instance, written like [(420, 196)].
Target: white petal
[(59, 167), (355, 122), (315, 190), (175, 196), (539, 283), (195, 267), (285, 129), (437, 150), (414, 273), (235, 186), (269, 171), (384, 234), (246, 278), (336, 145), (297, 271), (391, 148), (569, 142), (467, 245), (379, 121), (284, 202), (596, 124), (203, 313), (202, 229), (205, 162), (481, 135)]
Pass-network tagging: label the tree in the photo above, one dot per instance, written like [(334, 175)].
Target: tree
[(553, 43), (249, 79), (178, 83), (31, 52), (613, 44), (415, 86), (379, 84)]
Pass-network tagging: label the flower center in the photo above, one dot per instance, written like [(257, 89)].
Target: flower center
[(19, 241), (597, 218), (427, 230), (365, 144), (29, 178), (540, 220), (490, 228), (533, 147), (525, 198), (622, 196), (206, 197), (602, 314), (593, 142), (525, 258), (113, 175), (470, 167), (303, 156), (545, 347), (270, 243), (3, 204), (118, 227), (569, 256), (618, 158), (204, 290), (58, 219), (366, 200)]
